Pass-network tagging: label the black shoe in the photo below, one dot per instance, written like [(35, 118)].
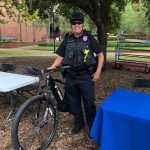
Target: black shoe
[(77, 129)]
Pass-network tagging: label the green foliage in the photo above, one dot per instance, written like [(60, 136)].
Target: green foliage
[(105, 14), (45, 44), (115, 18), (86, 6), (21, 52), (134, 36), (65, 12), (6, 5), (24, 10), (134, 44), (49, 44), (146, 5), (133, 19), (112, 43), (2, 21), (114, 38)]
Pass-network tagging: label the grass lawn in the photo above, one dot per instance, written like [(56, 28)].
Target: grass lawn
[(39, 50), (21, 52), (43, 48), (137, 48), (17, 53)]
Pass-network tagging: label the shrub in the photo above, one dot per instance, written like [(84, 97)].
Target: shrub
[(114, 38)]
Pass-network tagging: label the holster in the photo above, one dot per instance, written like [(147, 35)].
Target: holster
[(91, 70), (63, 72)]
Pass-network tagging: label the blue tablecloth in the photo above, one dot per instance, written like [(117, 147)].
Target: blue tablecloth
[(123, 121)]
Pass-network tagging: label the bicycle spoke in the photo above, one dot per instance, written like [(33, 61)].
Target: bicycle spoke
[(37, 125)]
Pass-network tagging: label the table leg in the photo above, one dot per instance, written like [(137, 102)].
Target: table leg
[(11, 111)]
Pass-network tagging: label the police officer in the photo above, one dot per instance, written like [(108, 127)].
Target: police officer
[(77, 50)]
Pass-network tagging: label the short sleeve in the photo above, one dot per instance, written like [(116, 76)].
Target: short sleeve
[(95, 45), (61, 49)]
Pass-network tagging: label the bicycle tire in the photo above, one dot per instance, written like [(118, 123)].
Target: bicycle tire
[(25, 123)]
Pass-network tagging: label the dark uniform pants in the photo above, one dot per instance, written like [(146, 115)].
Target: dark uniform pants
[(81, 88)]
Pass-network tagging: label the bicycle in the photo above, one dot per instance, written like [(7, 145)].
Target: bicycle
[(36, 121)]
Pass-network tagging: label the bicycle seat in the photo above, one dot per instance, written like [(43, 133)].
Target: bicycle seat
[(32, 71)]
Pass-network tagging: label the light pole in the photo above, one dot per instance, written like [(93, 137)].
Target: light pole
[(54, 30)]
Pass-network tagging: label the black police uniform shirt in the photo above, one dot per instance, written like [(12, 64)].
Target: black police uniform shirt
[(85, 38)]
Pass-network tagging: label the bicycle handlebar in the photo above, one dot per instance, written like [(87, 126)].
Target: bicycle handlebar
[(40, 71), (58, 68)]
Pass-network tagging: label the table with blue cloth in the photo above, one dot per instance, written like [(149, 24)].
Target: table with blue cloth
[(122, 121)]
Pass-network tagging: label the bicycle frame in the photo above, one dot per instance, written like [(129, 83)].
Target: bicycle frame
[(55, 88), (61, 100), (52, 86)]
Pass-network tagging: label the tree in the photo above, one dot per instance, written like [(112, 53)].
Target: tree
[(104, 13), (24, 15), (46, 13), (134, 12), (101, 12), (6, 8)]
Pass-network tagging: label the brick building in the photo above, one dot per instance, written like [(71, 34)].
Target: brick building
[(11, 31)]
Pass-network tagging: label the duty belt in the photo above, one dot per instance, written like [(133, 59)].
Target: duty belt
[(76, 73)]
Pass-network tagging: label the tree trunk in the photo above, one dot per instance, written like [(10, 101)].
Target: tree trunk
[(102, 38), (20, 25), (34, 32), (26, 32)]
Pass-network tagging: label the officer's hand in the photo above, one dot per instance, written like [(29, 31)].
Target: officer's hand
[(96, 76), (51, 68)]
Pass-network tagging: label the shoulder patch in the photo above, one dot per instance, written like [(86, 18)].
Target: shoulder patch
[(85, 38)]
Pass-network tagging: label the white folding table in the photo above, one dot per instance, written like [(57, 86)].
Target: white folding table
[(13, 81)]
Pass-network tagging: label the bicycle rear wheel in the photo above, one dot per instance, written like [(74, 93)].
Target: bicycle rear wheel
[(35, 124)]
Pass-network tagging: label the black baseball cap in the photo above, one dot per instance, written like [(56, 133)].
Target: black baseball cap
[(76, 17)]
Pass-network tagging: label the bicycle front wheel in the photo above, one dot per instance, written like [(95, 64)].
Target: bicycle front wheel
[(35, 124)]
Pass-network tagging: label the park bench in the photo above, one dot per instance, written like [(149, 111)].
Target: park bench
[(132, 56), (8, 38)]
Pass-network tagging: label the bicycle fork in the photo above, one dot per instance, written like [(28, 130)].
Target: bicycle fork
[(43, 121)]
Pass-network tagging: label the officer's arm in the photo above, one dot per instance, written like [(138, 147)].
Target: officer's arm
[(100, 62), (56, 63), (96, 75)]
